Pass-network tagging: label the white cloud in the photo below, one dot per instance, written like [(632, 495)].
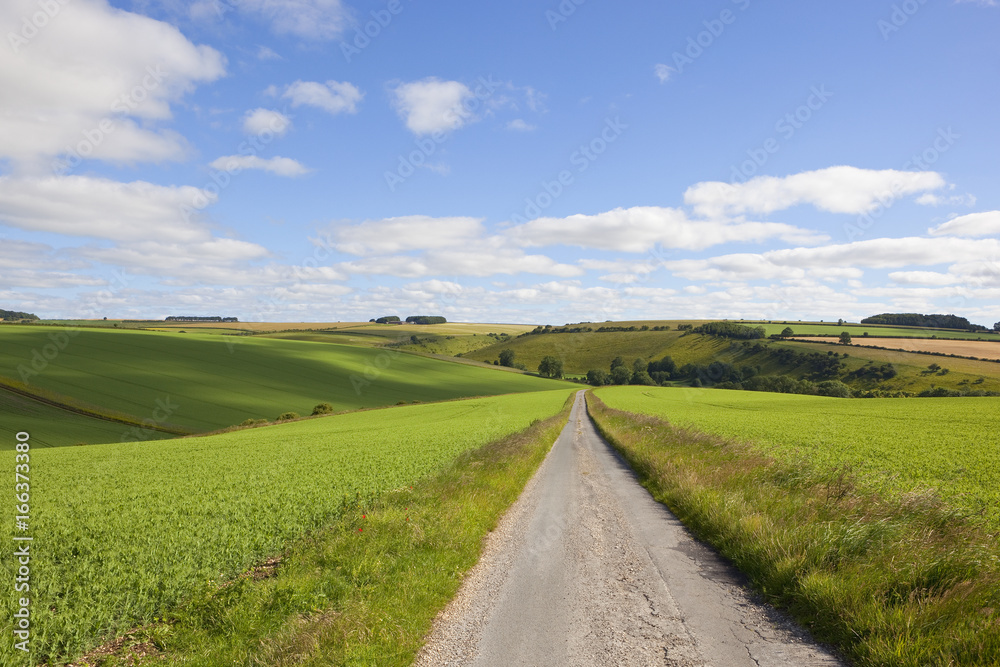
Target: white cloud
[(282, 166), (641, 228), (482, 260), (840, 189), (333, 96), (260, 121), (842, 261), (663, 72), (520, 125), (102, 208), (267, 53), (311, 19), (930, 199), (432, 105), (986, 223), (81, 83), (922, 278), (402, 234)]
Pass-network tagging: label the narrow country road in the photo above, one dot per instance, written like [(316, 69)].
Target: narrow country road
[(587, 569)]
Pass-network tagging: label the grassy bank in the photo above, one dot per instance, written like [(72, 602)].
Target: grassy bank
[(363, 590), (900, 580)]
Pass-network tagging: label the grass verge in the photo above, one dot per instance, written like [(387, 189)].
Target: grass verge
[(906, 581), (361, 591)]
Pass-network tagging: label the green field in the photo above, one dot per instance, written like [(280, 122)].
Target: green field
[(212, 382), (128, 531), (874, 330), (947, 444), (55, 427)]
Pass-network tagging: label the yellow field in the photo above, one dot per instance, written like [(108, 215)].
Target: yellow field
[(983, 349)]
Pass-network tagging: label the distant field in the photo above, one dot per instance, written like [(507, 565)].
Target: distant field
[(213, 382), (948, 444), (132, 530), (53, 427), (857, 330), (964, 348), (581, 352)]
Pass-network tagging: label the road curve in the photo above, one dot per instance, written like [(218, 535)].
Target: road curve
[(587, 569)]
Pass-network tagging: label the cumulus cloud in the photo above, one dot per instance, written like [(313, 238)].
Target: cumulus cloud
[(641, 228), (432, 105), (333, 96), (281, 166), (842, 189), (973, 225), (94, 84), (103, 208), (260, 121)]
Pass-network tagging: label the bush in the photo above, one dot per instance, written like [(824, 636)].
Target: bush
[(254, 422), (323, 409), (285, 416)]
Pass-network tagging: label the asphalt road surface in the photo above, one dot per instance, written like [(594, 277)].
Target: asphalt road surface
[(587, 569)]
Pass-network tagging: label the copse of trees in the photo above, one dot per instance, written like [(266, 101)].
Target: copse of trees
[(426, 319), (15, 315), (731, 330), (926, 321), (388, 319)]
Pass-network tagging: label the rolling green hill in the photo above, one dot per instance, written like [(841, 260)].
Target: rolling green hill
[(203, 382)]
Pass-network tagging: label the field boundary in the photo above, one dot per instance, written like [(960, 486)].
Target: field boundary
[(905, 580), (69, 405)]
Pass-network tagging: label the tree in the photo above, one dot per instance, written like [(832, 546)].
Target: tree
[(507, 357), (639, 366), (786, 332), (550, 367), (598, 378), (845, 338), (642, 377), (996, 327), (621, 375), (616, 362)]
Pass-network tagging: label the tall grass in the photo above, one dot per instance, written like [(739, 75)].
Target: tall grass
[(903, 580)]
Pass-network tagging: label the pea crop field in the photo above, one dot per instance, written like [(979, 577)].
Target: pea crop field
[(950, 445), (132, 529)]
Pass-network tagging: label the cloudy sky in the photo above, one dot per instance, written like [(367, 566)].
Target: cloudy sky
[(523, 161)]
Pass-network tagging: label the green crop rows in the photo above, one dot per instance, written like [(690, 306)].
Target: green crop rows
[(125, 532), (211, 382), (947, 444)]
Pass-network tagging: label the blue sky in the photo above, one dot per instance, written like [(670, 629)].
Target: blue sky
[(542, 162)]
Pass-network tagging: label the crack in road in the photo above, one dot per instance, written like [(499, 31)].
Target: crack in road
[(587, 569)]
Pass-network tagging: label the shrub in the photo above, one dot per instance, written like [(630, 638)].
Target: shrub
[(322, 409), (285, 416)]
